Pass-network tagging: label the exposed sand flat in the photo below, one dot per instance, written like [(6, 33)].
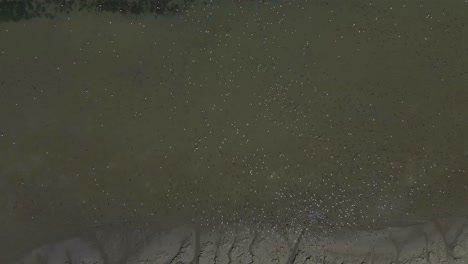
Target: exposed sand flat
[(440, 241)]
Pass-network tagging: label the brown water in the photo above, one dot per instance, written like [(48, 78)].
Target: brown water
[(347, 113)]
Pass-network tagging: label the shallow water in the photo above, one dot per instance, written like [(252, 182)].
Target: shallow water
[(314, 113)]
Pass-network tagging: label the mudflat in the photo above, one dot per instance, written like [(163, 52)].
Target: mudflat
[(325, 115)]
